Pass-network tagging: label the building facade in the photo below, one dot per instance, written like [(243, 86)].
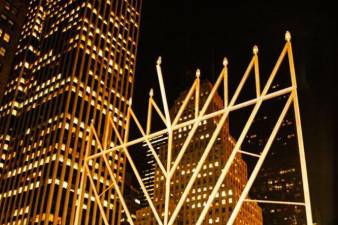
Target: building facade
[(12, 16), (74, 64), (148, 173), (132, 197), (280, 176), (231, 188)]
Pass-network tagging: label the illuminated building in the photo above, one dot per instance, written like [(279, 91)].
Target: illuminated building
[(12, 15), (231, 188), (149, 170), (132, 194), (74, 63), (280, 177)]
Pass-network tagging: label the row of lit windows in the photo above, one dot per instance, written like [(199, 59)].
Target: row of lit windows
[(130, 11), (10, 8), (19, 190), (46, 91), (98, 51), (16, 106), (63, 14), (11, 87), (5, 19), (35, 16), (14, 85), (199, 204)]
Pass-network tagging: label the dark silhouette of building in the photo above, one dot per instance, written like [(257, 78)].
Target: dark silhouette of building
[(280, 176)]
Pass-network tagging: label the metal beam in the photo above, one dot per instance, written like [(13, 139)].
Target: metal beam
[(259, 163), (201, 115)]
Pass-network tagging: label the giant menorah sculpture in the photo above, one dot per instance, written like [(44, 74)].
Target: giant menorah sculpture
[(173, 124)]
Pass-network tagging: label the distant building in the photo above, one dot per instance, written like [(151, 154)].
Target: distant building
[(74, 65), (148, 173), (280, 177), (230, 190), (12, 16), (132, 198)]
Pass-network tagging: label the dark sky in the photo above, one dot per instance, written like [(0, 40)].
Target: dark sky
[(190, 35)]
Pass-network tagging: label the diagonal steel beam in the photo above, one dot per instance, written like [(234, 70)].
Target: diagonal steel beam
[(190, 122), (97, 198), (152, 150), (138, 177), (196, 124), (259, 163), (78, 214), (246, 128), (299, 131), (201, 115), (213, 137), (185, 102), (275, 202), (111, 173)]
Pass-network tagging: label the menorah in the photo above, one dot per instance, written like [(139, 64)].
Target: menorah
[(172, 124)]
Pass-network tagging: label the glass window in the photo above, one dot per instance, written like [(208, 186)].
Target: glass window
[(4, 17), (2, 51), (7, 37), (7, 6), (14, 10), (11, 23), (0, 32)]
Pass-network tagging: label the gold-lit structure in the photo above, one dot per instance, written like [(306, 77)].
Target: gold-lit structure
[(75, 64), (173, 123), (12, 16), (232, 186)]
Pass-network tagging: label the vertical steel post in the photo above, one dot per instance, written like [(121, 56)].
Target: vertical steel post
[(299, 131)]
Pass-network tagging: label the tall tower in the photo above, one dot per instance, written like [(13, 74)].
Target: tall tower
[(75, 62), (231, 188), (12, 15)]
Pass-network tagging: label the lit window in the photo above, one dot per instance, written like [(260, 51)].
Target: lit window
[(4, 17), (2, 51), (7, 37), (11, 23), (7, 6)]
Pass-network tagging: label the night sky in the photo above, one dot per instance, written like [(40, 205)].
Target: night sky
[(190, 35)]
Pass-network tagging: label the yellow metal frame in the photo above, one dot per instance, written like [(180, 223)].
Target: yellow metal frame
[(200, 114)]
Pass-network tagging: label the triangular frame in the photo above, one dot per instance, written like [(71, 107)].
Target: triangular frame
[(200, 114)]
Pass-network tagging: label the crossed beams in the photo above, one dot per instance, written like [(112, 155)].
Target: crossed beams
[(169, 169)]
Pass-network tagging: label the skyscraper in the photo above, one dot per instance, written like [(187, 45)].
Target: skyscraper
[(12, 16), (231, 188), (280, 177), (75, 62)]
